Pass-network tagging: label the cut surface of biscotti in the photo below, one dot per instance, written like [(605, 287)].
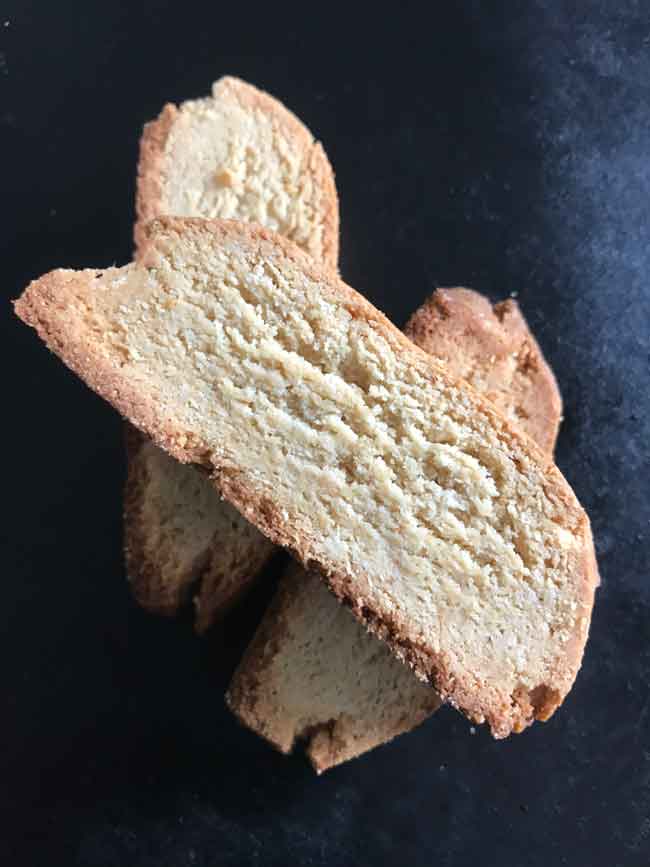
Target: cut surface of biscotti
[(312, 672), (450, 534), (241, 154), (168, 543), (183, 538)]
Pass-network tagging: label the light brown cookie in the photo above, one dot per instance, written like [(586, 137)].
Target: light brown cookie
[(492, 348), (239, 154), (312, 672), (449, 534), (182, 539)]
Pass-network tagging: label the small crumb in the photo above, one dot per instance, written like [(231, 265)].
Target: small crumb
[(472, 730), (443, 767), (514, 294), (6, 24)]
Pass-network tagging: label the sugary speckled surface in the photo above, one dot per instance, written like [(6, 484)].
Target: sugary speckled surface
[(508, 151)]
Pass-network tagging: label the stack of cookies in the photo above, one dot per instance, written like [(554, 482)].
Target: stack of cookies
[(437, 554)]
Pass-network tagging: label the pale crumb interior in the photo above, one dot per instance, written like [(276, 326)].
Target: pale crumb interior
[(323, 676), (394, 474), (226, 160)]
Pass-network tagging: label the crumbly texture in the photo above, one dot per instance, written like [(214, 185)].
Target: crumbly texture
[(182, 540), (448, 533), (180, 535), (492, 349), (238, 153), (312, 673)]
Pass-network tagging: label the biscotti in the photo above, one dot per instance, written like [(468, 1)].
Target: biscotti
[(182, 539), (238, 153), (492, 348), (312, 673), (447, 532)]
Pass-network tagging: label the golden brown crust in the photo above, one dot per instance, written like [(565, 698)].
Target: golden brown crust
[(540, 401), (494, 350), (324, 177), (149, 187), (149, 192), (481, 701)]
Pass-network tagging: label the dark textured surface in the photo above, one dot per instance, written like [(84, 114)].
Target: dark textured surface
[(506, 151)]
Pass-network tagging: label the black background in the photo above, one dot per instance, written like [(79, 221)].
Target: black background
[(502, 146)]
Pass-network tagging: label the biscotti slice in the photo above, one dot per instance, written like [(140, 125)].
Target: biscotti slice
[(493, 349), (447, 532), (238, 153), (182, 538), (312, 672), (180, 534)]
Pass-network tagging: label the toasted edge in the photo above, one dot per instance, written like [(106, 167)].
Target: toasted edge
[(472, 313)]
